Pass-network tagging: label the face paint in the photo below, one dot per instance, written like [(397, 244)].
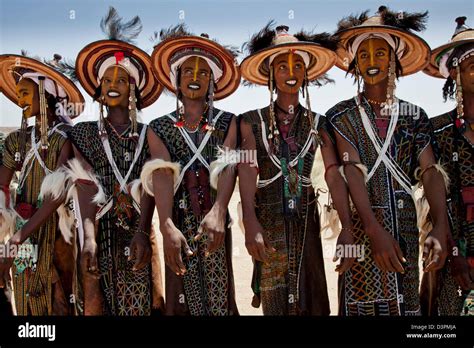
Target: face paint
[(288, 72), (196, 69), (28, 97), (373, 60), (467, 75), (116, 87), (290, 62), (195, 75)]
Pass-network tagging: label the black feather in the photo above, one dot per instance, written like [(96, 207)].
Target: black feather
[(321, 81), (404, 20), (68, 68), (115, 29), (352, 21), (324, 39), (260, 40)]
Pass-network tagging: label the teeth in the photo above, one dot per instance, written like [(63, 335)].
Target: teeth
[(26, 108), (113, 94), (373, 71), (291, 82), (195, 87)]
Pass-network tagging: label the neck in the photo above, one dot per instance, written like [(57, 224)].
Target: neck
[(118, 116), (468, 106), (286, 101), (377, 92), (193, 108)]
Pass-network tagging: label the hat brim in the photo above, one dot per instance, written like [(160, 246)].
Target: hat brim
[(94, 52), (9, 62), (164, 51), (255, 68), (432, 68), (415, 58)]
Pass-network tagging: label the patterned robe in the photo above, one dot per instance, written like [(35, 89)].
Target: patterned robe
[(456, 154), (293, 281), (33, 277), (207, 288), (126, 292), (364, 289)]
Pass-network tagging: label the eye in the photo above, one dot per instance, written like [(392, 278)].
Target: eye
[(298, 65), (107, 80), (122, 80), (204, 73), (363, 55), (282, 67), (380, 54), (188, 72)]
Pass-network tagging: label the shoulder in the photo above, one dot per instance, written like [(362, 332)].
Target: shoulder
[(443, 122), (12, 137), (340, 109), (252, 116), (84, 127), (161, 121)]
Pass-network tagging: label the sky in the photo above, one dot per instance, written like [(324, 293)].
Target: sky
[(45, 27)]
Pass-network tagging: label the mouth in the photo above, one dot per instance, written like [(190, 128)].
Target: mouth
[(113, 94), (291, 82), (194, 86), (26, 108), (373, 71)]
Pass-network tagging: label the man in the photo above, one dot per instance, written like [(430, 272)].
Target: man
[(184, 147), (279, 210), (42, 263), (382, 141), (444, 292), (119, 263)]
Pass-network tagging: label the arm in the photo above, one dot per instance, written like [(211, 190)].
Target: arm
[(213, 223), (163, 189), (340, 196), (385, 249), (255, 239), (433, 185)]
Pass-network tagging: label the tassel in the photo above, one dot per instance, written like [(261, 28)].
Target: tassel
[(210, 100), (359, 166), (459, 96), (102, 131), (43, 116), (439, 168), (132, 106)]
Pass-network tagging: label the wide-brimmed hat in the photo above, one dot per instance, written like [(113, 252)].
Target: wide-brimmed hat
[(91, 59), (462, 35), (269, 42), (177, 44), (13, 67), (412, 51)]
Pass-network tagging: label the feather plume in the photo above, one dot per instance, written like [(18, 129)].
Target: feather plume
[(260, 40), (115, 29)]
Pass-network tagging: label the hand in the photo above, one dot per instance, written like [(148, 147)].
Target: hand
[(89, 263), (435, 249), (385, 250), (460, 271), (213, 225), (5, 265), (345, 238), (173, 242), (256, 241), (140, 250)]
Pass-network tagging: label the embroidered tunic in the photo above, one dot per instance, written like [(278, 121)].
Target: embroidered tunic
[(293, 281), (33, 273), (208, 284), (364, 289), (126, 292), (456, 154)]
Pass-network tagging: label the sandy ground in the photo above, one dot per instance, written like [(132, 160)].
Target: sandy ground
[(242, 263)]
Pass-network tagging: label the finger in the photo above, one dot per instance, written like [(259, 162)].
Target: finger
[(261, 249), (383, 263), (335, 257), (267, 244), (395, 263), (140, 254), (432, 263), (133, 248), (187, 250), (210, 242), (200, 232), (346, 264), (399, 253), (377, 261), (170, 261), (426, 249), (180, 263)]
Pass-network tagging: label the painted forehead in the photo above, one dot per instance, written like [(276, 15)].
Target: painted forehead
[(191, 63), (283, 58), (116, 69), (376, 43)]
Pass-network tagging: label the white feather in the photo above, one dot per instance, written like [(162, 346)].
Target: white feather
[(226, 159), (55, 184), (8, 217), (136, 190), (146, 176), (77, 171)]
